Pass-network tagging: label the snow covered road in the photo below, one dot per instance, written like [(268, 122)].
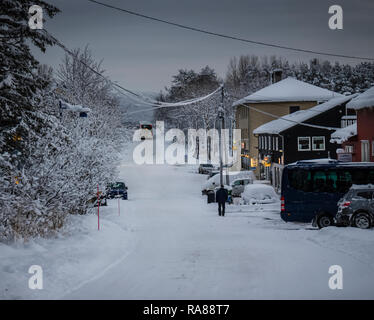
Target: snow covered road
[(184, 250), (168, 243)]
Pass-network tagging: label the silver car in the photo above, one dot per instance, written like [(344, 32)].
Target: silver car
[(356, 208), (238, 186)]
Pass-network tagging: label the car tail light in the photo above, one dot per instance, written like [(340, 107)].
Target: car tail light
[(282, 204), (346, 204)]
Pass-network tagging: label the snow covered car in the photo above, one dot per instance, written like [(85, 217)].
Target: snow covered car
[(356, 208), (238, 185), (117, 190), (214, 181), (259, 194), (205, 168)]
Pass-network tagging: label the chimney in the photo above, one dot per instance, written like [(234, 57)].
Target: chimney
[(276, 75)]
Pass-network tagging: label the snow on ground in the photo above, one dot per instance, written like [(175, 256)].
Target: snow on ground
[(168, 243)]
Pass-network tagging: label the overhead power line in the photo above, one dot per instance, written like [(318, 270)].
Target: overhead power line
[(289, 120), (155, 104), (221, 35)]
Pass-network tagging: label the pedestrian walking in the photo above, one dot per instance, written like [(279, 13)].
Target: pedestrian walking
[(221, 197)]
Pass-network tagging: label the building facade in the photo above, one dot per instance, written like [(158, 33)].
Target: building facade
[(302, 135), (281, 98)]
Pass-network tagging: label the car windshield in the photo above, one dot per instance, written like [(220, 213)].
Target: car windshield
[(207, 165)]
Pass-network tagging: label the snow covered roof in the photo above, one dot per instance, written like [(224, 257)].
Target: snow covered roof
[(289, 89), (364, 100), (343, 134), (293, 119)]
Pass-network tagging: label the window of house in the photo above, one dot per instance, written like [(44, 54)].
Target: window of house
[(265, 144), (269, 142), (294, 109), (303, 143), (349, 149), (372, 148), (318, 143), (365, 151)]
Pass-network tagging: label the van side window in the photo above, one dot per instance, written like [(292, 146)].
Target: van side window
[(300, 180), (324, 181)]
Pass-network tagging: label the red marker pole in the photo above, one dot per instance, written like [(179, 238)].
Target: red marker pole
[(98, 208)]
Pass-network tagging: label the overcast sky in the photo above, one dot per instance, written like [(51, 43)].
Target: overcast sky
[(143, 55)]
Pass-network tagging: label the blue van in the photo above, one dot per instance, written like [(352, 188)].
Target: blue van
[(310, 189)]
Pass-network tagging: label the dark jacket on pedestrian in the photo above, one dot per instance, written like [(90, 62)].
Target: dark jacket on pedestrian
[(222, 195)]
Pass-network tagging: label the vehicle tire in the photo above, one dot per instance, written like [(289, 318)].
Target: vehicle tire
[(324, 221), (361, 220)]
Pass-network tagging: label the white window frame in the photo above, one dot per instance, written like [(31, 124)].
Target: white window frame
[(269, 142), (348, 149), (298, 144), (277, 143), (324, 143), (363, 156)]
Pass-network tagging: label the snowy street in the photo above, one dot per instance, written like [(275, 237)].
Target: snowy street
[(184, 250), (168, 243)]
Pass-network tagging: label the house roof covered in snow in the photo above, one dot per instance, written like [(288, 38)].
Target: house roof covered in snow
[(293, 119), (364, 100), (343, 134), (289, 89)]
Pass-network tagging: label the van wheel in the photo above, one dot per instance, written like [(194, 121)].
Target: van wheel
[(361, 220), (324, 221)]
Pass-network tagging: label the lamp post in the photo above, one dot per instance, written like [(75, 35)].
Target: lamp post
[(222, 126)]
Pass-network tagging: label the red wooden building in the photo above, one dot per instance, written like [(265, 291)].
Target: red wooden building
[(358, 139)]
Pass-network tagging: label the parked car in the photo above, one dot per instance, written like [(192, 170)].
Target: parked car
[(214, 181), (205, 168), (356, 208), (238, 185), (117, 189), (259, 194), (212, 173)]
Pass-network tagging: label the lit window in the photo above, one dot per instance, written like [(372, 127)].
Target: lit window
[(303, 143), (318, 143)]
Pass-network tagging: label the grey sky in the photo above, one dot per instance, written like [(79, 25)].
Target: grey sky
[(143, 55)]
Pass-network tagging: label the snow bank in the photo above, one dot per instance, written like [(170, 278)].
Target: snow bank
[(289, 89), (259, 193), (364, 100), (78, 255), (290, 120), (343, 134)]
